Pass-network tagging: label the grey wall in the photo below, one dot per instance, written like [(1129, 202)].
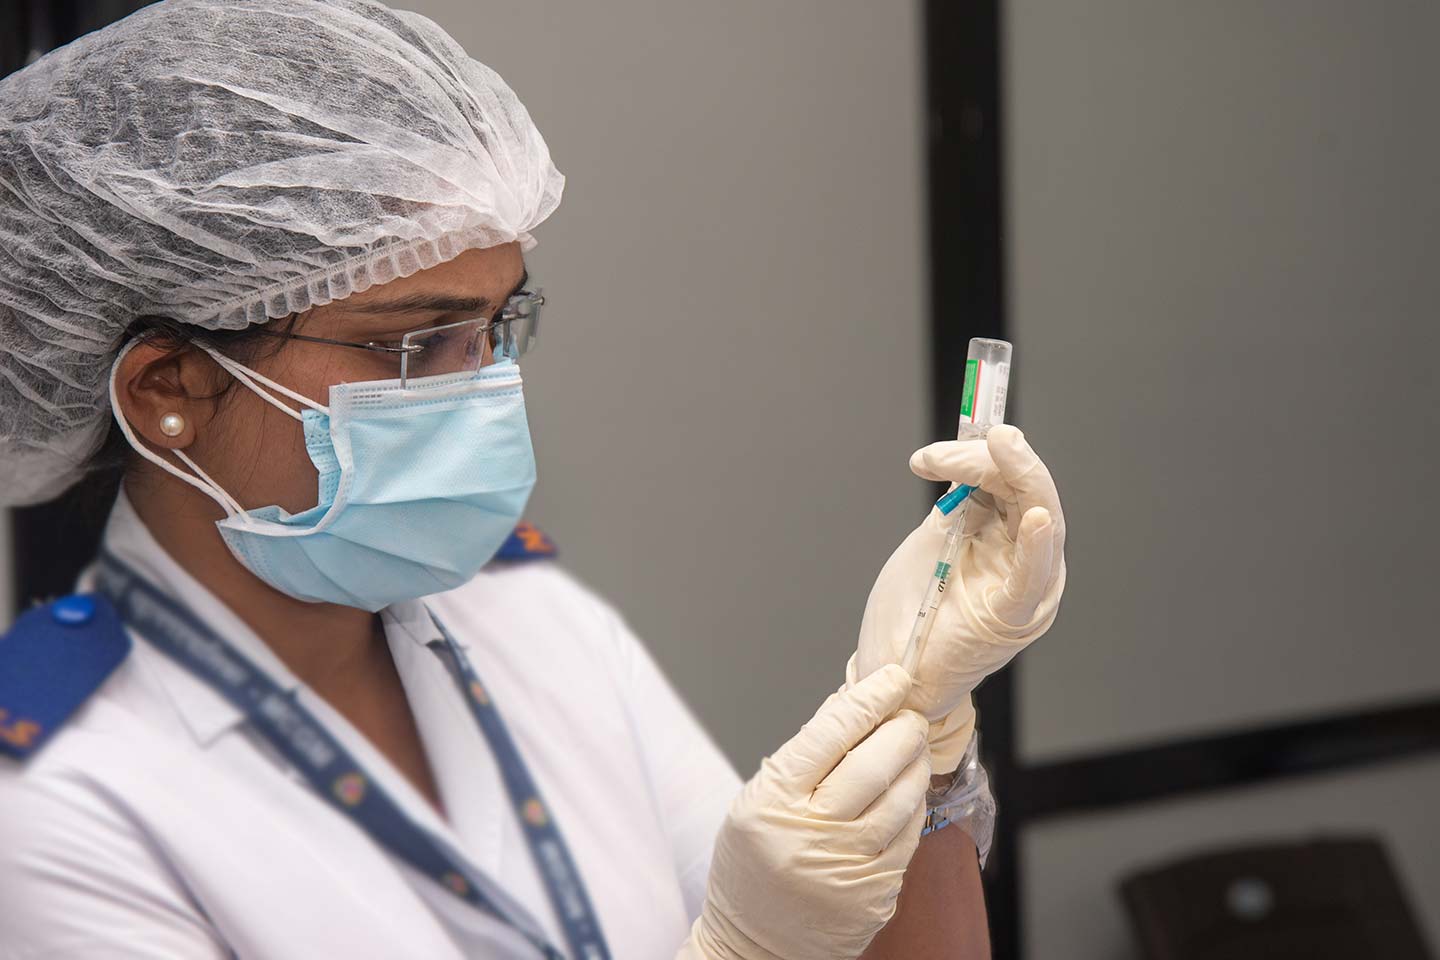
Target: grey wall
[(1223, 220), (729, 382)]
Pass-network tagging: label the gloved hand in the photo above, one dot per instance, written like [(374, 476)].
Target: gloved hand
[(1003, 591), (809, 860)]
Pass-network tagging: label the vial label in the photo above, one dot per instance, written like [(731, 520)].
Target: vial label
[(982, 401), (967, 395)]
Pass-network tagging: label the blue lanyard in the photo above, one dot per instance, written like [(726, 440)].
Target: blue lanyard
[(339, 778)]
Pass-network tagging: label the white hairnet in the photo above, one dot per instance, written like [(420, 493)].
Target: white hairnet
[(222, 163)]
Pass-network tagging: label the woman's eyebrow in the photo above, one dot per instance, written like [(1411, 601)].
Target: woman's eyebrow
[(434, 302), (424, 302)]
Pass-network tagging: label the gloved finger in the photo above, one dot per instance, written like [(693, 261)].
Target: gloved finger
[(961, 461), (869, 769), (1015, 600), (842, 721), (1027, 476), (980, 507), (898, 810)]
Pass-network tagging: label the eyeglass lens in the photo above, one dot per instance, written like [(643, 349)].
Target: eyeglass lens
[(467, 346)]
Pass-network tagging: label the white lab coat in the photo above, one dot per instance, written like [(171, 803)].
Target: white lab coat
[(155, 824)]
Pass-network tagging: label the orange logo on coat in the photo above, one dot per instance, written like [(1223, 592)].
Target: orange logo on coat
[(532, 538)]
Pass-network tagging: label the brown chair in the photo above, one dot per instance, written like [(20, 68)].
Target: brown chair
[(1329, 898)]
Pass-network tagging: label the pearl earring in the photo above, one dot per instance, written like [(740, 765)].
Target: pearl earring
[(172, 424)]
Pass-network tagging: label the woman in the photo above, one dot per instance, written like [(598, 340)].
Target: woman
[(265, 258)]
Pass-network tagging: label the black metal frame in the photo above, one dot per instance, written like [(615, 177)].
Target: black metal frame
[(967, 291), (964, 42)]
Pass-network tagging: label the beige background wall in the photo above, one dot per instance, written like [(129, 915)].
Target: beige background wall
[(729, 382), (1223, 232)]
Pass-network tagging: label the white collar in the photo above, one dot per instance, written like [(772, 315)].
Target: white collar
[(206, 713)]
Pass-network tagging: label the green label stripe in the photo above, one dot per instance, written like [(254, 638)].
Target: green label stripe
[(967, 398), (942, 570)]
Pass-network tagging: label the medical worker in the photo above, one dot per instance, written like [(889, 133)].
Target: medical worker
[(261, 264)]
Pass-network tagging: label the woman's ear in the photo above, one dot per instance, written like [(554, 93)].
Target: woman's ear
[(166, 393)]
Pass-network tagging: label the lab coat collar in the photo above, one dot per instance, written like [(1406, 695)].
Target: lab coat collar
[(206, 713), (411, 619)]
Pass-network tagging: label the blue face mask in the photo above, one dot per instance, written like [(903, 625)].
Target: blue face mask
[(419, 487)]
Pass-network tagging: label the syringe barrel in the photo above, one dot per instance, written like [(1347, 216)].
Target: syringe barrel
[(987, 381), (982, 406)]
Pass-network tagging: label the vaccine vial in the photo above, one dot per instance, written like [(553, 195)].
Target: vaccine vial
[(987, 381)]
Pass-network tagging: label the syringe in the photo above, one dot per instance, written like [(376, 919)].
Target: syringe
[(982, 406)]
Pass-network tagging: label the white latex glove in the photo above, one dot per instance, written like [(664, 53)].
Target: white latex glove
[(1004, 587), (809, 860)]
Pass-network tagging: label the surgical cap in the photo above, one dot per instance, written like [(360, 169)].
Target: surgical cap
[(223, 163)]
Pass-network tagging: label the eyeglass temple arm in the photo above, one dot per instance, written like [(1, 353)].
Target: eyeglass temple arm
[(371, 345)]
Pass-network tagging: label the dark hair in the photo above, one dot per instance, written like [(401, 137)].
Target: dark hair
[(106, 466)]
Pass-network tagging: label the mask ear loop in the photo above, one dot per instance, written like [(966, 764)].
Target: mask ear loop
[(202, 481), (250, 378), (204, 484)]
